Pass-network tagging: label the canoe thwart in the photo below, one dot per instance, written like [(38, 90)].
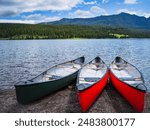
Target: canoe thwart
[(91, 79)]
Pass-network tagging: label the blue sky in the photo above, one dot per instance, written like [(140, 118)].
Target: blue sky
[(35, 11)]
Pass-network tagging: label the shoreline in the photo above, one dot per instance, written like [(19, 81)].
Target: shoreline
[(65, 101), (75, 38)]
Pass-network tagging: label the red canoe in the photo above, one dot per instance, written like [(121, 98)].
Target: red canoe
[(92, 78), (128, 80)]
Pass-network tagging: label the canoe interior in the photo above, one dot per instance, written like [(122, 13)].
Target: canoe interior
[(56, 72), (91, 73), (127, 73), (44, 84)]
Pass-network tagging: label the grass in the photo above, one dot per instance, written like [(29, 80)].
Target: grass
[(116, 35)]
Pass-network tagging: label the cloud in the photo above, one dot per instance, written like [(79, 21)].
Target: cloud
[(93, 12), (8, 13), (38, 18), (20, 6), (17, 21), (7, 2), (90, 3), (105, 1), (81, 14), (126, 11), (130, 1), (137, 12), (32, 19), (98, 10)]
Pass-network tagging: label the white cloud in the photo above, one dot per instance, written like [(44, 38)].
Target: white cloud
[(147, 15), (98, 10), (20, 6), (105, 1), (137, 12), (32, 19), (126, 11), (90, 3), (93, 12), (81, 14), (17, 21), (130, 1), (38, 18)]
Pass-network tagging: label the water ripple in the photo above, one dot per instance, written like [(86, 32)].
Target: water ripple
[(24, 59)]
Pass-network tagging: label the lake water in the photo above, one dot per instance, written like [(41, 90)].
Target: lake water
[(24, 59)]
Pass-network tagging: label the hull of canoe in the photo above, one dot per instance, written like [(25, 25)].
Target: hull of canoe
[(134, 96), (87, 97), (29, 93)]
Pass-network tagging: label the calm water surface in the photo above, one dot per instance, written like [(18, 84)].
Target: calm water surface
[(24, 59)]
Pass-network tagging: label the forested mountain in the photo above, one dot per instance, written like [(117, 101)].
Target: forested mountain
[(120, 20)]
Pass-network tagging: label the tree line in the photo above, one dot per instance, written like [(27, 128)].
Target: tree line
[(38, 31)]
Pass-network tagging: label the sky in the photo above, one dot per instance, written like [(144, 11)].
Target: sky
[(36, 11)]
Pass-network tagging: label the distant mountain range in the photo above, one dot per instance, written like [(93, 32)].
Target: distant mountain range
[(119, 20)]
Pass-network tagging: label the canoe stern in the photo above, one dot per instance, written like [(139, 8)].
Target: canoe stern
[(134, 96)]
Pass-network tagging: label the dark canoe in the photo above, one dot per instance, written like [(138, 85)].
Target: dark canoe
[(49, 81), (91, 80), (128, 80)]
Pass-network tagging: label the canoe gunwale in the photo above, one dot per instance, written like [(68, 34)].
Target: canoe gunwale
[(127, 83), (28, 85)]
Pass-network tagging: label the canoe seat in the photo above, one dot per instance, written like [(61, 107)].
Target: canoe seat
[(83, 86), (96, 69), (118, 68), (50, 77), (130, 79), (91, 79), (56, 77)]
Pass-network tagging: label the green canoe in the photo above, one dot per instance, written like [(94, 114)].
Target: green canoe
[(49, 81)]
